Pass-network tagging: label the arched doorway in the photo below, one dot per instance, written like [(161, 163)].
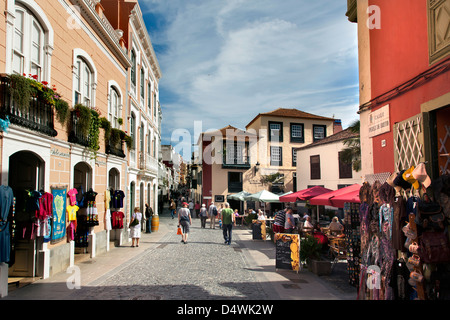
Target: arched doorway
[(26, 174), (82, 176)]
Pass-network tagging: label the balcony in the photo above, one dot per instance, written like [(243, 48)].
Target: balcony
[(116, 150), (38, 116), (148, 164), (77, 135), (236, 163)]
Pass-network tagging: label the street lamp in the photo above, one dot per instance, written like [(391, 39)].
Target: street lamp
[(256, 167)]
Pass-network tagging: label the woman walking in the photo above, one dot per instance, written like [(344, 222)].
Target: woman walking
[(184, 219), (135, 229)]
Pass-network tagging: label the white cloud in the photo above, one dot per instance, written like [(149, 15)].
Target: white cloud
[(227, 61)]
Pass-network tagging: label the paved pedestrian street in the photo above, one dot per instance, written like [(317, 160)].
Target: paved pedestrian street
[(204, 269), (164, 268)]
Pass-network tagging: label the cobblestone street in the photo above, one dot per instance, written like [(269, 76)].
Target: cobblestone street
[(202, 269)]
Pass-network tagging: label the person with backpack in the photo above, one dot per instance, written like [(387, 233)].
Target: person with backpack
[(212, 214)]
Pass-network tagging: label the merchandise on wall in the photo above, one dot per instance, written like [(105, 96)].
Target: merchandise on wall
[(405, 248), (353, 241), (116, 203)]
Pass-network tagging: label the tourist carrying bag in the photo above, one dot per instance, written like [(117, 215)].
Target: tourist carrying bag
[(133, 223)]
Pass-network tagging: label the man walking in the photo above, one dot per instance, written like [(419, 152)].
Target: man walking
[(212, 213), (228, 219)]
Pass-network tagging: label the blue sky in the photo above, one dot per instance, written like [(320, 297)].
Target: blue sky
[(225, 61)]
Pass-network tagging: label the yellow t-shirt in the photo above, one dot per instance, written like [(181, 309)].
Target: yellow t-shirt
[(72, 212)]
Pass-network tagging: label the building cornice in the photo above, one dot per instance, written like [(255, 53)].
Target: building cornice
[(144, 37), (104, 29)]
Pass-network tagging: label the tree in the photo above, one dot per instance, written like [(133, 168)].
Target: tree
[(352, 153)]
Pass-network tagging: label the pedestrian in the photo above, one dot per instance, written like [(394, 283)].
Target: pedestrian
[(278, 224), (148, 218), (197, 209), (212, 214), (191, 208), (172, 208), (228, 219), (203, 215), (289, 224), (184, 220), (135, 231)]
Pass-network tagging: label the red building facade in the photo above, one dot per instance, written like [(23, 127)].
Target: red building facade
[(404, 52)]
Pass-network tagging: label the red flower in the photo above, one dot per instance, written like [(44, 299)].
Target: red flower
[(44, 83), (34, 77)]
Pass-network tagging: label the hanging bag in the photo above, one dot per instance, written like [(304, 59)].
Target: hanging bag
[(434, 247), (430, 214), (133, 223), (179, 232)]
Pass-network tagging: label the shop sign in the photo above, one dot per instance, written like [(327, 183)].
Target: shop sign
[(379, 121)]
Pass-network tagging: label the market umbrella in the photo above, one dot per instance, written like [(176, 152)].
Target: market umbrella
[(263, 196), (325, 199), (239, 196), (352, 196), (305, 194)]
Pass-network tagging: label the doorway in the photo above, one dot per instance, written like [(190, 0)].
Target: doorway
[(26, 174)]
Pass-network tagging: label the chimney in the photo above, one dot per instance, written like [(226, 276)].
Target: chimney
[(337, 126)]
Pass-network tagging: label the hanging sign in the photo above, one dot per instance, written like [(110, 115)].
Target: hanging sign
[(59, 214), (379, 121), (287, 251)]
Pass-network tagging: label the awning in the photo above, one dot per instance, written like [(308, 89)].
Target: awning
[(325, 199), (305, 194), (263, 196), (352, 197), (238, 196)]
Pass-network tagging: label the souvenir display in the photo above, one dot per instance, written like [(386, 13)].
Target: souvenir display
[(404, 240)]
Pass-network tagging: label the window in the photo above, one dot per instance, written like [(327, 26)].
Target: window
[(234, 182), (114, 102), (315, 167), (276, 156), (319, 132), (438, 26), (235, 153), (149, 143), (133, 67), (149, 97), (345, 169), (28, 47), (276, 131), (142, 84), (297, 132), (83, 83), (154, 106), (133, 129), (294, 157)]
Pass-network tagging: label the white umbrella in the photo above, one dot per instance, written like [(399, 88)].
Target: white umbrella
[(239, 196), (263, 196)]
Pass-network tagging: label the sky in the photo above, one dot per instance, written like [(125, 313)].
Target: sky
[(225, 61)]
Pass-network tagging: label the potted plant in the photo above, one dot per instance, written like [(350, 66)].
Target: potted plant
[(310, 252)]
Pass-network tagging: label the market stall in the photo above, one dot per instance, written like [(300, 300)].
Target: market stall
[(405, 250)]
